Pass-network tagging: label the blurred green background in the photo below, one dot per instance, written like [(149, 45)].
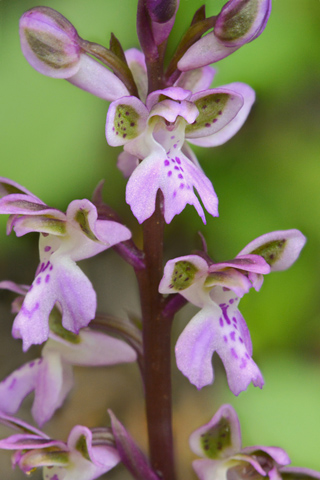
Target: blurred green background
[(267, 178)]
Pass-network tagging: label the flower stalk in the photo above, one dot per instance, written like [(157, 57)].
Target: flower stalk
[(157, 346)]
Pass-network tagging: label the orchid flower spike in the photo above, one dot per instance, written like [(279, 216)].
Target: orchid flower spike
[(86, 455), (216, 288), (51, 376), (239, 22), (154, 133), (65, 238), (50, 44), (223, 458)]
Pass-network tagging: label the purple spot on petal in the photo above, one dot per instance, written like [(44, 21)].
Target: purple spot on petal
[(12, 384), (233, 353), (173, 160), (220, 112), (214, 120), (208, 125), (174, 194), (176, 167), (166, 163), (232, 336), (181, 185), (31, 364), (178, 160), (217, 100), (47, 248), (221, 321), (169, 173), (132, 124), (127, 113), (248, 356), (172, 137), (234, 319), (225, 289), (51, 268), (243, 363), (240, 339), (117, 133), (175, 145), (113, 129), (38, 281), (47, 278), (180, 175), (225, 338), (124, 135), (181, 169), (231, 301)]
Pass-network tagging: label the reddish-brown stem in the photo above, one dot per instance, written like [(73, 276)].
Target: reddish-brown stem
[(156, 345)]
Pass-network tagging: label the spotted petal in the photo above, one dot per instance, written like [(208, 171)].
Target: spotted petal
[(59, 281), (219, 438), (234, 125), (217, 107), (126, 120), (212, 329), (175, 176)]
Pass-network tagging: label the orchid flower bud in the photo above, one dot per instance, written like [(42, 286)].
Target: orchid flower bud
[(162, 14), (51, 45), (49, 42), (238, 23), (241, 21)]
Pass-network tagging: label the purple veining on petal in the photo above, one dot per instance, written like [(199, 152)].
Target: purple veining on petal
[(47, 278), (247, 356), (232, 336), (51, 268), (38, 281), (12, 384), (224, 309), (173, 160), (221, 322), (233, 353), (240, 339), (234, 320)]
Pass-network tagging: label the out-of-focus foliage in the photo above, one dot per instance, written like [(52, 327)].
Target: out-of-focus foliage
[(266, 178)]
